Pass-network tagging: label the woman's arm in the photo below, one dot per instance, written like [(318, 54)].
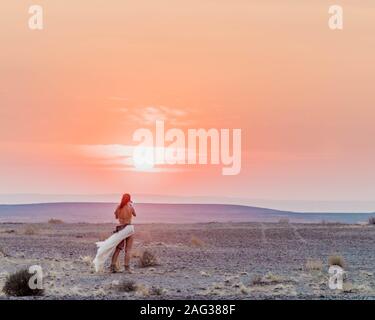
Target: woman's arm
[(116, 213), (133, 210)]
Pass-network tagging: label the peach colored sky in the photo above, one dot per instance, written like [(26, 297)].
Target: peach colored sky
[(302, 94)]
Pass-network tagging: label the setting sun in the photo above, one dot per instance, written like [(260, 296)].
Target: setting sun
[(143, 159)]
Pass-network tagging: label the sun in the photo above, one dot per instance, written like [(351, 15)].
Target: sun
[(144, 161)]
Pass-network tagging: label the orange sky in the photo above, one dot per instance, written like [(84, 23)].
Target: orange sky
[(302, 94)]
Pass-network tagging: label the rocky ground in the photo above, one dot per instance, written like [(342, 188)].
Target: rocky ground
[(197, 261)]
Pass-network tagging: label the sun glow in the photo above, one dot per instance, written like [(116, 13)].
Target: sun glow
[(144, 160)]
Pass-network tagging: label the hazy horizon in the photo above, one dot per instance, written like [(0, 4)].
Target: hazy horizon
[(347, 206)]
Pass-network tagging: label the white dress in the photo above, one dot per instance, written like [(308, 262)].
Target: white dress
[(107, 247)]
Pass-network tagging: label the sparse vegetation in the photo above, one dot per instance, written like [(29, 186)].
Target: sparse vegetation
[(148, 259), (268, 279), (314, 265), (257, 280), (371, 221), (336, 260), (196, 242), (143, 290), (242, 288), (86, 260), (30, 230), (17, 284), (155, 291), (284, 221), (55, 221), (127, 286), (3, 253), (9, 231), (271, 278)]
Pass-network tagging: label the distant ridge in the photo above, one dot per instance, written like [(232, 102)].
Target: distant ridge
[(284, 205), (101, 212)]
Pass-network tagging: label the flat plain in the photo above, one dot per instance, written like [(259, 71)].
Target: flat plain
[(252, 260)]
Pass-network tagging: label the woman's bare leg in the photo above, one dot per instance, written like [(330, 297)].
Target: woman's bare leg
[(128, 249), (114, 263)]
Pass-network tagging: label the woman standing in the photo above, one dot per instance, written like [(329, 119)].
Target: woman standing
[(124, 214), (122, 238)]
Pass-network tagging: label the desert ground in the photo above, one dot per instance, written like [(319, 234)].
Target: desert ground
[(196, 261)]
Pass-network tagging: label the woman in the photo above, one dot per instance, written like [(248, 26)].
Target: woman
[(122, 238), (124, 214)]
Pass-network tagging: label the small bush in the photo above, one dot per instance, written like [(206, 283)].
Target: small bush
[(371, 221), (3, 253), (284, 221), (196, 242), (127, 286), (154, 291), (55, 221), (336, 260), (9, 231), (30, 230), (148, 259), (86, 260), (143, 290), (271, 278), (314, 265), (268, 279), (257, 280), (17, 284)]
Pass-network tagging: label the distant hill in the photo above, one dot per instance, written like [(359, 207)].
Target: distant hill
[(163, 213), (348, 206)]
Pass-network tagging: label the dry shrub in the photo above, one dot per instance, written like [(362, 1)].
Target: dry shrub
[(148, 259), (314, 265), (257, 280), (271, 278), (143, 290), (352, 288), (371, 221), (55, 221), (268, 279), (9, 231), (196, 242), (17, 284), (336, 260), (284, 221), (155, 291), (242, 288), (127, 286), (86, 260), (30, 230), (3, 253)]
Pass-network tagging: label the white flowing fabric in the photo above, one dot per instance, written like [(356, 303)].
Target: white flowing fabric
[(108, 246)]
